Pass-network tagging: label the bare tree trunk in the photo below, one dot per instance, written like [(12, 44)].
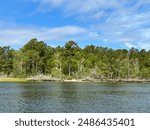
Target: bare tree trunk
[(128, 65), (60, 69), (69, 69)]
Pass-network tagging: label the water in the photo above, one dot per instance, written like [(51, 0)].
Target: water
[(51, 97)]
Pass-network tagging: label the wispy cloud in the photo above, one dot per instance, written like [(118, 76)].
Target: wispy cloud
[(118, 21), (115, 22), (20, 35), (130, 45)]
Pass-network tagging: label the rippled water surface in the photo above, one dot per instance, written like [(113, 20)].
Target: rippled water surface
[(74, 97)]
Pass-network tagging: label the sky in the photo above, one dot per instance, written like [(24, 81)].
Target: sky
[(115, 24)]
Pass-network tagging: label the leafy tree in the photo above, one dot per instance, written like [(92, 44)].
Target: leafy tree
[(6, 60), (71, 61), (69, 57)]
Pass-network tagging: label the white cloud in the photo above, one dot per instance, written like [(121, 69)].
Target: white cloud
[(93, 34), (78, 7), (117, 21), (112, 21), (20, 35), (130, 45), (50, 2), (144, 46)]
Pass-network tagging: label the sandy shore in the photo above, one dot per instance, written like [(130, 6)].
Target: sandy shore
[(73, 80)]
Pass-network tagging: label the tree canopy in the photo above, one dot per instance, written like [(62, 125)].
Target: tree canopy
[(71, 61)]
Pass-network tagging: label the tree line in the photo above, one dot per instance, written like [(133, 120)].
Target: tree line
[(73, 62)]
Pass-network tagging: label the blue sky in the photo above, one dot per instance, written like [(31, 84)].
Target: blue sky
[(110, 23)]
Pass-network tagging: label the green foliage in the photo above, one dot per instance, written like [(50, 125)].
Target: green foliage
[(6, 60), (73, 62)]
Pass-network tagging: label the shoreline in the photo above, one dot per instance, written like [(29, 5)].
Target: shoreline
[(13, 80), (73, 80)]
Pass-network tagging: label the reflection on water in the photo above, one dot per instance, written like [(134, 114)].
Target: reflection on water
[(74, 97)]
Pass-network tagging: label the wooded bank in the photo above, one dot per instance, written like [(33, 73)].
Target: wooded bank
[(72, 62)]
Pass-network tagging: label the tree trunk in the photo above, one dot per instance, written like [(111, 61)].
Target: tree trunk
[(69, 69), (128, 67), (60, 69)]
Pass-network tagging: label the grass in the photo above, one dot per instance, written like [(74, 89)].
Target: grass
[(12, 80)]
